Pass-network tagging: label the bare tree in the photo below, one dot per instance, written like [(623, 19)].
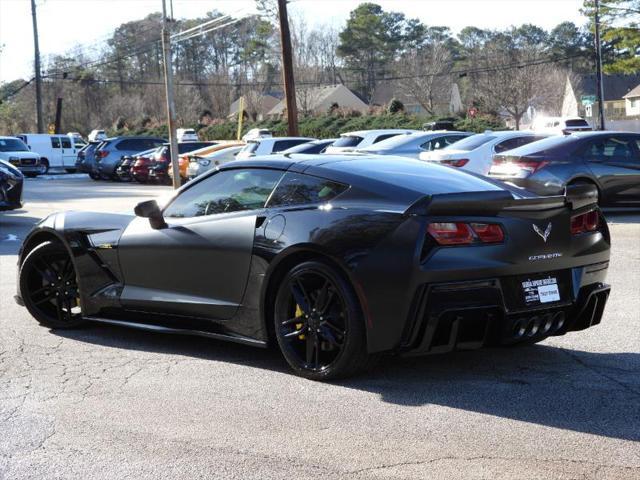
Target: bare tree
[(425, 76)]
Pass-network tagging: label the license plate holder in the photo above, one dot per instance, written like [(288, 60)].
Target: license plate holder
[(541, 290)]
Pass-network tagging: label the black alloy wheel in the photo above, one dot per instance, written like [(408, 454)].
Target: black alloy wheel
[(318, 323), (49, 286)]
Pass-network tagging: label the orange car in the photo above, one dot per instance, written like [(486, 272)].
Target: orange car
[(184, 160)]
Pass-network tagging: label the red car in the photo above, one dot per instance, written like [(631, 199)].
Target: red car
[(140, 168), (158, 170)]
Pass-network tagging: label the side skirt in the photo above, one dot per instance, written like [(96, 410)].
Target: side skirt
[(181, 331)]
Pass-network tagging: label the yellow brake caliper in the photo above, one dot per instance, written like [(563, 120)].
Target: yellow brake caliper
[(299, 313)]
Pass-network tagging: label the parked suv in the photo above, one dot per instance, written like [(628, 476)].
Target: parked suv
[(109, 153), (17, 153), (608, 160)]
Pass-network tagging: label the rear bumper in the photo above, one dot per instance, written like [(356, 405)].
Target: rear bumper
[(471, 315)]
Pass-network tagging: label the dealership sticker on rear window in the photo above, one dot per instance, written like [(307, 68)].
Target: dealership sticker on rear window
[(544, 290)]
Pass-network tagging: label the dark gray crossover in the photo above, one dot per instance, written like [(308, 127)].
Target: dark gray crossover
[(336, 259), (610, 161)]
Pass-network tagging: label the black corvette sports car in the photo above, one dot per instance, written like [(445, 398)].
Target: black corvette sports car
[(335, 258)]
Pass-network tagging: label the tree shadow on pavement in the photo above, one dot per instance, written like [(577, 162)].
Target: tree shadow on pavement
[(597, 393)]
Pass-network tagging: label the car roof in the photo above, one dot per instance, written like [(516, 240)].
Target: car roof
[(276, 139), (601, 132), (362, 133)]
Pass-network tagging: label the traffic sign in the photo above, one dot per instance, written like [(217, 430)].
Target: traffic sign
[(588, 100)]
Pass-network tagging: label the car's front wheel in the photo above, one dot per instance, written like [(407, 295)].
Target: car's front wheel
[(49, 286), (318, 323)]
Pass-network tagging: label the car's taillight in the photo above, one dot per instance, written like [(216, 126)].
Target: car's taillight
[(459, 233), (519, 168), (455, 162), (102, 153), (586, 222)]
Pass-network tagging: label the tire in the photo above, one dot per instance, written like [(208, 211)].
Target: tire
[(321, 335), (94, 176), (70, 170), (31, 175), (49, 288), (44, 163)]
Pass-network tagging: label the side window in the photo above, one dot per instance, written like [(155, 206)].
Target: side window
[(610, 148), (509, 144), (434, 144), (226, 191), (55, 142), (124, 145), (66, 142), (299, 189)]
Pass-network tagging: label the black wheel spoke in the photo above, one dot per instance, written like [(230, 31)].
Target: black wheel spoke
[(310, 347), (328, 335), (294, 334), (333, 327), (47, 298), (300, 296), (292, 321)]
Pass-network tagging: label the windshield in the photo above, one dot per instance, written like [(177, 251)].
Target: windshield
[(12, 145), (470, 143), (347, 141)]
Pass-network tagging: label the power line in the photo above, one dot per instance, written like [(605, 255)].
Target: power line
[(487, 69)]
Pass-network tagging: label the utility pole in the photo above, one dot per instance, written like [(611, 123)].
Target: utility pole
[(599, 82), (171, 106), (36, 48), (287, 69)]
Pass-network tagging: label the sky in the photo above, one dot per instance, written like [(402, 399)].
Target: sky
[(63, 24)]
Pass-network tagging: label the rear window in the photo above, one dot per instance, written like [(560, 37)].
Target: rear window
[(138, 144), (542, 146), (282, 145), (579, 122), (298, 189), (308, 147), (55, 142), (385, 137), (347, 141), (472, 142), (191, 146)]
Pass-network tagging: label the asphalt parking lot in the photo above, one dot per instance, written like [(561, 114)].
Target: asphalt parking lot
[(104, 402)]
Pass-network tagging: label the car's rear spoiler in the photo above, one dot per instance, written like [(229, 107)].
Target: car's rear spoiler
[(489, 203)]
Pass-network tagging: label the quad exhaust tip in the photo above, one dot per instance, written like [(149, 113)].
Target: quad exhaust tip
[(538, 325)]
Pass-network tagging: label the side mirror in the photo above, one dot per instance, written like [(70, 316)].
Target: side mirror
[(151, 210)]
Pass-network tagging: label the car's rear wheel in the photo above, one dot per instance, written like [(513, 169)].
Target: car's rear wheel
[(319, 324), (94, 176), (49, 286)]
